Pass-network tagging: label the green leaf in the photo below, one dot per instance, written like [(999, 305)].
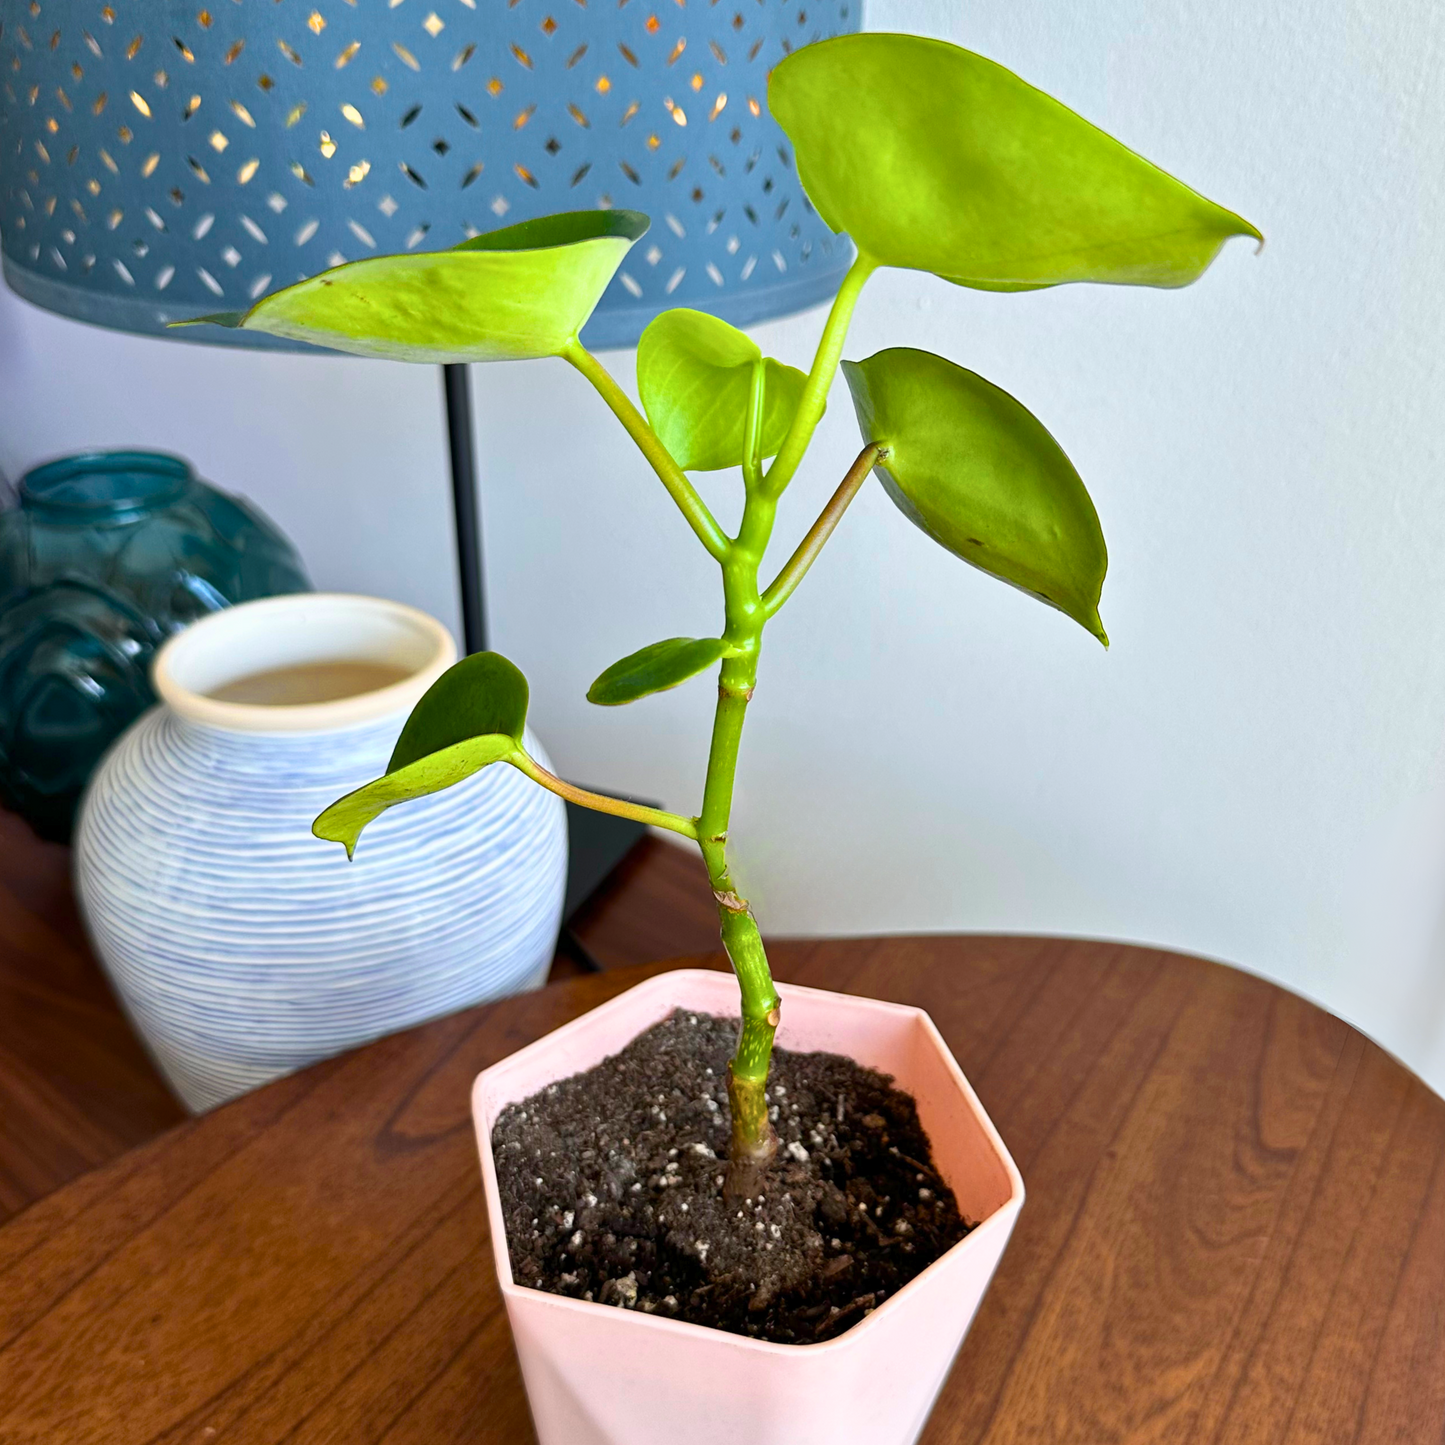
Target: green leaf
[(978, 472), (654, 669), (343, 821), (481, 694), (935, 159), (470, 717), (520, 292), (231, 319), (695, 377)]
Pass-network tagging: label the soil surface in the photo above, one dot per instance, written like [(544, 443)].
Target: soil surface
[(611, 1186)]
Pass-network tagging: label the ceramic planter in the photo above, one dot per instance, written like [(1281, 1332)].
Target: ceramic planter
[(597, 1375), (242, 946)]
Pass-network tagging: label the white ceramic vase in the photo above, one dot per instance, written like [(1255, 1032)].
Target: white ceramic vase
[(243, 947)]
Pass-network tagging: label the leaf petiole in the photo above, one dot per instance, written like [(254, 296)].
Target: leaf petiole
[(796, 567), (600, 802), (692, 506), (752, 431), (820, 377)]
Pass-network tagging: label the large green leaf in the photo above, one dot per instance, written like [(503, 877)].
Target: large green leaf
[(654, 669), (470, 717), (936, 159), (695, 376), (520, 292), (978, 472)]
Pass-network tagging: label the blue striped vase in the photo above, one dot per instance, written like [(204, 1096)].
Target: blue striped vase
[(241, 946)]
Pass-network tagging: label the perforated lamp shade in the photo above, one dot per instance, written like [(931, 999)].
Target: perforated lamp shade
[(160, 159)]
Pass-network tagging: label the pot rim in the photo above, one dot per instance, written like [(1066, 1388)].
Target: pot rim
[(1001, 1220), (292, 630)]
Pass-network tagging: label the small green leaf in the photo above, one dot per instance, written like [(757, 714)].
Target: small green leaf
[(481, 694), (470, 717), (654, 669), (978, 472), (695, 377), (520, 292), (935, 159), (343, 821)]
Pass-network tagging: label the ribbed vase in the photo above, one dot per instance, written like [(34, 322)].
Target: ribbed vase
[(242, 946)]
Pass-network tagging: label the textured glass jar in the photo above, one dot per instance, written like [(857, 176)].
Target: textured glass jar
[(106, 555)]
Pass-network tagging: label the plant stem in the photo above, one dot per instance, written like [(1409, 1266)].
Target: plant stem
[(820, 378), (796, 568), (752, 432), (753, 1141), (600, 802), (672, 476)]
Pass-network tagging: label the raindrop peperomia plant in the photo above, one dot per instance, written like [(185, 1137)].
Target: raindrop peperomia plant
[(931, 158)]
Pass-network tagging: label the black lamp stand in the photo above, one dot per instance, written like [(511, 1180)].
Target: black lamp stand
[(596, 842)]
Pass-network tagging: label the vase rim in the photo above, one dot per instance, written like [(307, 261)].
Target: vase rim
[(92, 484), (292, 631)]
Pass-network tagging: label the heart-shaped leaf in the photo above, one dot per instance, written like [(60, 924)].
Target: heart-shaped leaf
[(481, 694), (935, 159), (654, 669), (343, 821), (520, 292), (695, 377), (470, 717), (978, 472)]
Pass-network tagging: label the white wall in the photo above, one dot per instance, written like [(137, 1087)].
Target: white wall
[(1253, 772)]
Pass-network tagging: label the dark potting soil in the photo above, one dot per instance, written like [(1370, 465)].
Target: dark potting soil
[(611, 1187)]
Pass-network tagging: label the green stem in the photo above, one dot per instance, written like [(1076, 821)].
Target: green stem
[(752, 431), (820, 378), (753, 1141), (600, 802), (672, 476), (796, 568)]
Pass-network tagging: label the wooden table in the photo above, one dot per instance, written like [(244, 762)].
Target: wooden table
[(1235, 1229), (76, 1087)]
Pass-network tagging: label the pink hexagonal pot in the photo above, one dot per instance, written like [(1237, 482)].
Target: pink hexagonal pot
[(598, 1375)]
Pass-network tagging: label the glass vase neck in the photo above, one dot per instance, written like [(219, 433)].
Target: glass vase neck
[(97, 487)]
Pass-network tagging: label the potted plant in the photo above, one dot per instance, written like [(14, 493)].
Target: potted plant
[(930, 158)]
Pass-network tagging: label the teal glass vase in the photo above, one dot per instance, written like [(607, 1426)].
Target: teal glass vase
[(102, 557)]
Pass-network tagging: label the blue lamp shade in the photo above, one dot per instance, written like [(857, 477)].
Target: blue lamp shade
[(160, 159)]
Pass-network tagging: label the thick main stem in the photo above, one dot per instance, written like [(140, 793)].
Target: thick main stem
[(753, 1142)]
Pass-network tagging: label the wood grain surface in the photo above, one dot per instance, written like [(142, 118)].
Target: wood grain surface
[(76, 1087), (1235, 1229)]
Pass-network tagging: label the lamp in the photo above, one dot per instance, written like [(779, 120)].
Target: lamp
[(159, 159)]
